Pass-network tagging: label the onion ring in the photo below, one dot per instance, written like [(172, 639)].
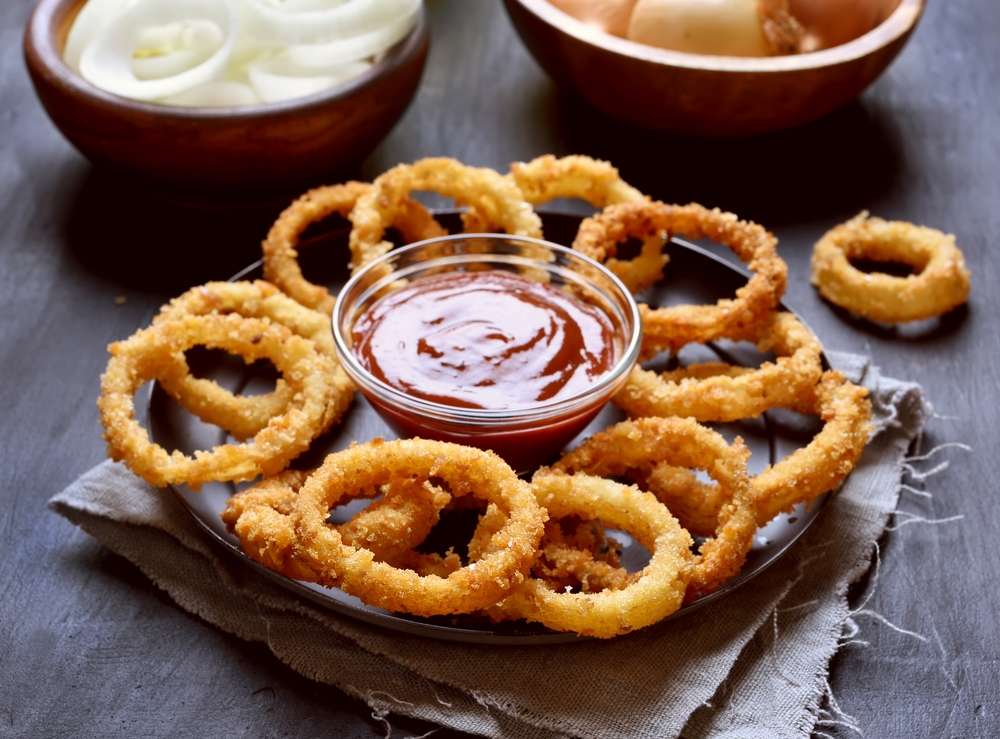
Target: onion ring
[(942, 283), (390, 527), (645, 442), (807, 473), (281, 259), (720, 392), (241, 415), (674, 326), (496, 199), (465, 471), (656, 592), (148, 354)]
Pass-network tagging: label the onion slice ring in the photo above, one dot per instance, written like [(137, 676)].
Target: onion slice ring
[(645, 442), (148, 354), (241, 415), (496, 199), (942, 283), (464, 471), (390, 527), (720, 392), (674, 326), (817, 468), (107, 61), (281, 260), (656, 592)]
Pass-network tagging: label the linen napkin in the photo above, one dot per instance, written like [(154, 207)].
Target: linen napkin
[(753, 664)]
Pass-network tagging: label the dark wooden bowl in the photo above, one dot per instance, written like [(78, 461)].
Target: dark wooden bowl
[(269, 146), (710, 95)]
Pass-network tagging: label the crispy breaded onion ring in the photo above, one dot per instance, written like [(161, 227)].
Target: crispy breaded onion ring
[(720, 392), (245, 415), (682, 442), (657, 590), (807, 473), (148, 354), (496, 199), (464, 471), (674, 326), (390, 527), (941, 284), (281, 258), (598, 183)]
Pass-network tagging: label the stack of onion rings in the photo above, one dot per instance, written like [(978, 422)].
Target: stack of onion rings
[(152, 353), (243, 416)]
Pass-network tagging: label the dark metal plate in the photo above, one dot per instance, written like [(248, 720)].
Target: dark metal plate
[(694, 275)]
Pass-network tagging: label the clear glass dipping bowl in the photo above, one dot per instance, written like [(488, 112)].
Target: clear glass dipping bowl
[(524, 437)]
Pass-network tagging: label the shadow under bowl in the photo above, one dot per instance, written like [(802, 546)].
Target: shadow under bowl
[(267, 146), (703, 95)]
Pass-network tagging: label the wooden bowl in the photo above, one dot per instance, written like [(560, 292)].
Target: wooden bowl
[(269, 146), (712, 95)]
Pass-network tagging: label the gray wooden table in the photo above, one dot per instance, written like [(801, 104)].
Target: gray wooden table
[(89, 647)]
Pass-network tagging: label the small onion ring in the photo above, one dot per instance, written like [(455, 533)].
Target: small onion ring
[(390, 527), (820, 466), (674, 326), (719, 392), (147, 355), (682, 442), (281, 259), (245, 415), (496, 199), (656, 592), (465, 471), (942, 283)]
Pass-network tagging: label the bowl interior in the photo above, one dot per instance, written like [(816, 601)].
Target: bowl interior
[(861, 27), (52, 21)]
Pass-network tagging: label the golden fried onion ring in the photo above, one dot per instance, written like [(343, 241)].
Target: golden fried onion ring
[(598, 183), (281, 258), (720, 392), (464, 471), (496, 199), (390, 527), (675, 326), (942, 283), (149, 354), (807, 473), (682, 442), (244, 415), (656, 592)]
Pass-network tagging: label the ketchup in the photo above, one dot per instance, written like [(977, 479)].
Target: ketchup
[(490, 340)]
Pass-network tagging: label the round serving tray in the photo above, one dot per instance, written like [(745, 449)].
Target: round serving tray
[(694, 275)]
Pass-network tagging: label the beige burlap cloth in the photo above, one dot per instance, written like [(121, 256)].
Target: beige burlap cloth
[(755, 664)]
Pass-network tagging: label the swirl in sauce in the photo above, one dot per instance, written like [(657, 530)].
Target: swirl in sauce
[(491, 340)]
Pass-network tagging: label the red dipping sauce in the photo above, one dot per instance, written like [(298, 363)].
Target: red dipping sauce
[(492, 340), (489, 340)]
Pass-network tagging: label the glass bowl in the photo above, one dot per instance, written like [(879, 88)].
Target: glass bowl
[(524, 437)]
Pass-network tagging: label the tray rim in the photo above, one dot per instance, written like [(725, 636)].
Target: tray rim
[(410, 625)]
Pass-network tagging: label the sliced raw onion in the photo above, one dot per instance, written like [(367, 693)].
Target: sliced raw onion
[(363, 46), (349, 18), (223, 93), (277, 79), (108, 61), (92, 18)]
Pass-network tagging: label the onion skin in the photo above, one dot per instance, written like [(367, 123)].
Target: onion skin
[(716, 27), (609, 15)]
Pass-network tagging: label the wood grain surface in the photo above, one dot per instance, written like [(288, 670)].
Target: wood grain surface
[(88, 647)]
